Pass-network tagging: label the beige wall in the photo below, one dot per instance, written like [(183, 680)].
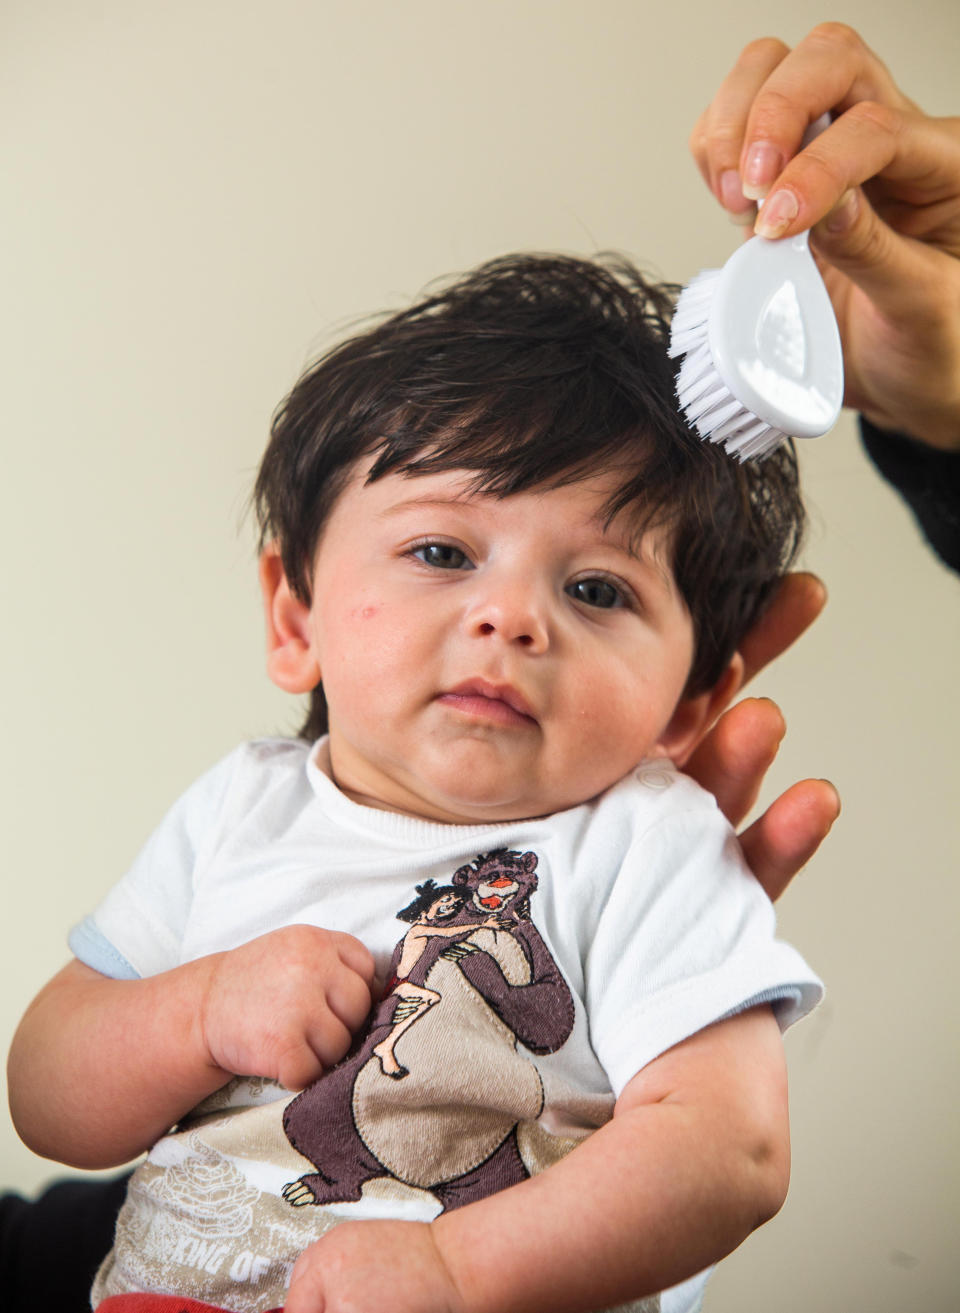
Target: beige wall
[(195, 196)]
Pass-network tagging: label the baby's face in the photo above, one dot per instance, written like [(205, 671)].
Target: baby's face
[(488, 659)]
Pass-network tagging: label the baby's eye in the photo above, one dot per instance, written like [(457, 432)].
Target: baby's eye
[(596, 592), (442, 555)]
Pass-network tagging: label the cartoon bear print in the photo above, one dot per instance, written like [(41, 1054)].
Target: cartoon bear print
[(433, 1092)]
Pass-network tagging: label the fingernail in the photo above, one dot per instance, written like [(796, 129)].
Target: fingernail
[(844, 214), (731, 193), (739, 209), (836, 794), (763, 164), (776, 214)]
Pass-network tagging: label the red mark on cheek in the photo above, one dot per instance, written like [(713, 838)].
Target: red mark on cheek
[(366, 612)]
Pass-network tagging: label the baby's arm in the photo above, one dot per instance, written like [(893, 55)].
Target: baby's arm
[(99, 1069), (695, 1158), (494, 922)]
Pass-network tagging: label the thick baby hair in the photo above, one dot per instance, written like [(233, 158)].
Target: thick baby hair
[(533, 371)]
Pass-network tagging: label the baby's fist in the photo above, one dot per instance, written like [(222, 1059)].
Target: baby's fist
[(286, 1005), (373, 1267)]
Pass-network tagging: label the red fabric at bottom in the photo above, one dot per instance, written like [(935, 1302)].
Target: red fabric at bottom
[(158, 1304)]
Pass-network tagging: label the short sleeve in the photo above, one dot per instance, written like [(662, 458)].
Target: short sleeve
[(686, 938), (138, 928)]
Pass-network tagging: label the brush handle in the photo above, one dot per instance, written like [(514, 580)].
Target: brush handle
[(815, 128)]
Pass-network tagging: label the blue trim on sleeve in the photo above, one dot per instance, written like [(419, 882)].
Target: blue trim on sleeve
[(789, 1002), (93, 948)]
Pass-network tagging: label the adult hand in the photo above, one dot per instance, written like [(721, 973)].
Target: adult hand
[(735, 755), (881, 190)]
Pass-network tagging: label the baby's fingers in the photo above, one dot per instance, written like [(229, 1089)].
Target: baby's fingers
[(307, 1286), (306, 1056), (355, 955), (298, 1066), (348, 996)]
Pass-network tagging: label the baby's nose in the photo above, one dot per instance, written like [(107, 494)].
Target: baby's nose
[(513, 614)]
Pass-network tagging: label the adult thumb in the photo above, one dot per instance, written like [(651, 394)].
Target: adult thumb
[(856, 241)]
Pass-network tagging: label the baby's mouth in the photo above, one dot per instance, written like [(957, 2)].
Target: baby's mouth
[(482, 700)]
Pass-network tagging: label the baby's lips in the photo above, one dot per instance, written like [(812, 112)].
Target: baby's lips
[(486, 688)]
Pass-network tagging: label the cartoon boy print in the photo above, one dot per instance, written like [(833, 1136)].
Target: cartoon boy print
[(476, 976), (429, 912)]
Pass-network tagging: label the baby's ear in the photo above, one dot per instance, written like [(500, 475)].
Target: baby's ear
[(694, 716), (291, 660)]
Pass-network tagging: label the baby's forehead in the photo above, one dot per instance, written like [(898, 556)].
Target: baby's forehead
[(591, 498)]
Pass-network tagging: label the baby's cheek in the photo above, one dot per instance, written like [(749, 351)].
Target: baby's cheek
[(366, 612), (376, 659), (623, 725)]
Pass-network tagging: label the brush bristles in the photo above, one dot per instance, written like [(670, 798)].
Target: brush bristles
[(704, 398)]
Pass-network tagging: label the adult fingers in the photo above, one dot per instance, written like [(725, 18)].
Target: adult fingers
[(717, 137), (894, 255), (756, 121), (799, 599), (831, 69), (906, 156), (734, 757), (790, 831), (903, 278)]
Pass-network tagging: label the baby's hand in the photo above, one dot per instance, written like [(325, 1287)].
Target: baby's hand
[(373, 1267), (286, 1004)]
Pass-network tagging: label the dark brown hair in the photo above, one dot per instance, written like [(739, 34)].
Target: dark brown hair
[(533, 371)]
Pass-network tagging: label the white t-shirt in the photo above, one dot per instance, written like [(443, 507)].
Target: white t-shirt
[(569, 952)]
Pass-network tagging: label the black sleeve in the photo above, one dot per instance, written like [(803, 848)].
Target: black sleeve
[(51, 1247), (927, 479)]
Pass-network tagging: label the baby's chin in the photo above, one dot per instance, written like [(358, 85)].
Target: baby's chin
[(474, 800), (453, 807), (477, 806), (470, 786)]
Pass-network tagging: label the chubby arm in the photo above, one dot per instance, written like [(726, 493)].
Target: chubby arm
[(99, 1069), (695, 1158)]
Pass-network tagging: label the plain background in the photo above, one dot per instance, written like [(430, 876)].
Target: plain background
[(197, 196)]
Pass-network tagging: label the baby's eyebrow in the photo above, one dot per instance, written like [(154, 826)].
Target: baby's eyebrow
[(632, 544), (418, 503)]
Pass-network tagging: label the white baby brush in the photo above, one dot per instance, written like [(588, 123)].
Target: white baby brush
[(761, 346)]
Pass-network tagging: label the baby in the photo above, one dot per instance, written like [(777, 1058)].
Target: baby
[(513, 585)]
